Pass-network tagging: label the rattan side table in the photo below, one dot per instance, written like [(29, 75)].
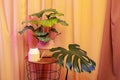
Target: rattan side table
[(45, 69)]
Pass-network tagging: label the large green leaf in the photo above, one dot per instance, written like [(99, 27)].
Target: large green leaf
[(64, 23), (40, 14), (41, 34), (54, 30), (51, 18), (74, 57), (61, 59), (44, 39), (26, 28), (36, 22), (76, 64), (69, 61), (49, 22), (55, 14), (39, 29)]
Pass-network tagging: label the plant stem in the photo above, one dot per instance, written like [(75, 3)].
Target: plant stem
[(66, 77)]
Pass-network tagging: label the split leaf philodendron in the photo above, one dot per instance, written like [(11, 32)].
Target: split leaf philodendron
[(76, 58)]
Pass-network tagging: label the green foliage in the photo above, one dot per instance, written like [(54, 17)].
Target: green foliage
[(26, 28), (40, 14), (36, 22), (44, 39), (50, 19), (55, 14), (41, 34), (64, 23), (54, 30), (49, 22), (76, 58)]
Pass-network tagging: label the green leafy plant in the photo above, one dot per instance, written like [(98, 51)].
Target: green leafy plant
[(76, 58), (45, 21)]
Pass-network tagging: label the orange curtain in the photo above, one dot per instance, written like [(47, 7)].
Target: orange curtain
[(85, 18), (13, 47), (110, 52)]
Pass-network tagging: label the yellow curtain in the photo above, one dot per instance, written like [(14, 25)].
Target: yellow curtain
[(85, 18)]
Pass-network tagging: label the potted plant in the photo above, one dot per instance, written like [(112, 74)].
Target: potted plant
[(43, 25), (76, 59)]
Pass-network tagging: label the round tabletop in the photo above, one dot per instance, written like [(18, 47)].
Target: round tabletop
[(44, 60)]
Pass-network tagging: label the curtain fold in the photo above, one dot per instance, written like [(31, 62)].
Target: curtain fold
[(5, 65), (85, 19), (115, 27), (110, 52)]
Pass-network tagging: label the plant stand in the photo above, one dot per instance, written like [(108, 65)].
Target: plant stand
[(45, 69)]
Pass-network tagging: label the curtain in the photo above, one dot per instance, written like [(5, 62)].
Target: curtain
[(85, 18), (110, 52), (12, 46)]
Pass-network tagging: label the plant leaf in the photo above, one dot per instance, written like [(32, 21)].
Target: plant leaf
[(49, 22), (26, 28), (87, 67), (55, 14), (54, 30), (76, 55), (40, 14), (36, 22), (56, 54), (61, 59), (69, 61), (39, 29), (64, 23), (41, 34), (75, 64), (44, 39), (75, 48), (58, 49)]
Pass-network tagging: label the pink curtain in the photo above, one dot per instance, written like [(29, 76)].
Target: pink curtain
[(110, 52)]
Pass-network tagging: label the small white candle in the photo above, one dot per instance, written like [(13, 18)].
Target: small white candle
[(33, 54)]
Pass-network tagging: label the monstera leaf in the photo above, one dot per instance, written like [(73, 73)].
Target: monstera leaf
[(76, 58)]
